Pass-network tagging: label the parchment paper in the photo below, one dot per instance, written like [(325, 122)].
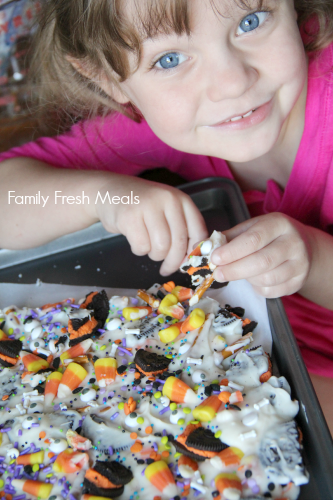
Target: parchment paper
[(237, 293)]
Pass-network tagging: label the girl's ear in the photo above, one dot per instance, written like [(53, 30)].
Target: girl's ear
[(110, 88)]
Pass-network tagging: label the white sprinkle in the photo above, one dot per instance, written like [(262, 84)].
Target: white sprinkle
[(132, 331), (113, 350), (77, 267), (198, 487), (260, 404), (194, 361), (235, 386), (248, 435)]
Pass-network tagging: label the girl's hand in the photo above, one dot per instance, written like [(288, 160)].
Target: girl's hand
[(272, 252), (165, 224)]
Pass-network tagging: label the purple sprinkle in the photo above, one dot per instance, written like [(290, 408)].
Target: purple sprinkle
[(17, 330), (76, 306), (149, 387), (104, 400), (131, 369), (20, 432), (80, 422), (35, 477), (71, 497), (135, 301), (125, 351), (102, 390), (56, 407), (123, 342), (33, 447), (115, 415), (35, 425), (2, 458), (111, 394), (155, 447), (162, 381), (143, 472), (100, 330), (123, 388), (16, 444), (164, 410), (110, 450), (19, 497), (53, 480), (47, 469), (256, 489), (53, 459), (164, 432), (6, 429), (179, 484), (120, 311)]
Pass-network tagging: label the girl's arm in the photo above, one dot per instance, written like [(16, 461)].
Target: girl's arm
[(279, 256), (39, 203)]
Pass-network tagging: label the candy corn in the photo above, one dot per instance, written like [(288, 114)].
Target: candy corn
[(51, 387), (159, 474), (32, 362), (77, 442), (3, 336), (133, 313), (182, 293), (76, 350), (106, 371), (34, 488), (193, 321), (171, 333), (179, 392), (70, 461), (150, 299), (228, 481), (207, 410), (31, 458), (187, 466), (236, 397), (93, 497), (170, 307), (71, 379), (229, 458)]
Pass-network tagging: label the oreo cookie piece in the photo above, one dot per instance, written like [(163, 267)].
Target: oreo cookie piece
[(204, 440), (100, 306), (150, 363), (81, 329), (249, 327), (9, 351), (107, 479), (188, 453)]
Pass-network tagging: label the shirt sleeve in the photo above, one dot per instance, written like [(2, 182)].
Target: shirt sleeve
[(118, 144)]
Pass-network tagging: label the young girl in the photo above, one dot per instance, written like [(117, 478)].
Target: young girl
[(205, 88)]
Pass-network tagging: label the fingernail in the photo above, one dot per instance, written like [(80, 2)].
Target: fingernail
[(219, 276), (163, 272)]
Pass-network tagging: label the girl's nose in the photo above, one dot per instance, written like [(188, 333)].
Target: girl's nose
[(229, 76)]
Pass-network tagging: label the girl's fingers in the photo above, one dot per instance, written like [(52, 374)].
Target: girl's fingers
[(255, 264), (137, 235), (159, 234), (251, 238), (196, 226), (272, 292), (278, 276)]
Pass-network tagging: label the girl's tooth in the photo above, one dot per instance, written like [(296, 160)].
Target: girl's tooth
[(236, 118), (248, 114)]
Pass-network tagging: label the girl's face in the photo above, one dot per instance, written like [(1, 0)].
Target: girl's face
[(192, 90)]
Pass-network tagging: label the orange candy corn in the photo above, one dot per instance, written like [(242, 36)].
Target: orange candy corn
[(105, 371), (31, 458), (228, 458), (193, 321), (227, 480), (187, 466), (76, 350), (179, 392), (207, 410), (182, 293), (51, 387), (69, 461), (32, 362), (3, 336), (170, 307), (34, 488), (71, 379), (159, 474), (133, 313)]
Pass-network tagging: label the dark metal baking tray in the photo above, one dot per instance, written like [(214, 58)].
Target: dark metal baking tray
[(106, 260)]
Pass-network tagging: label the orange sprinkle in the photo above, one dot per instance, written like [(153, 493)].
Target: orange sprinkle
[(158, 457), (130, 400), (9, 497), (169, 286), (137, 375), (157, 498), (224, 381), (133, 435), (42, 434), (137, 447), (151, 378), (50, 454), (5, 397), (149, 429), (64, 330), (165, 454), (118, 341), (153, 455)]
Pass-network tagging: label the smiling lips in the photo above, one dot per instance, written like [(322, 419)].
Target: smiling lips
[(250, 118)]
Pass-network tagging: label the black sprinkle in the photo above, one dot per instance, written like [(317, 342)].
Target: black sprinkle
[(56, 363), (92, 380), (234, 407), (77, 390), (121, 369)]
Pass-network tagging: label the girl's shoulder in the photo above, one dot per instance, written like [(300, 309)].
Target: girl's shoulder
[(321, 63)]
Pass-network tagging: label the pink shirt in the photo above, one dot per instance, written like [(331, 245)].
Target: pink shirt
[(118, 144)]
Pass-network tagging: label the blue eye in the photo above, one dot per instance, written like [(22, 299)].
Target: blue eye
[(251, 22), (170, 60)]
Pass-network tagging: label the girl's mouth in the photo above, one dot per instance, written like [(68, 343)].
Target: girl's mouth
[(249, 119)]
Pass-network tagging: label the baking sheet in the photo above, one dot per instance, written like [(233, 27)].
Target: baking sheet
[(237, 293)]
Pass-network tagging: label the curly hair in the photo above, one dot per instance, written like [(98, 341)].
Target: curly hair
[(67, 29)]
